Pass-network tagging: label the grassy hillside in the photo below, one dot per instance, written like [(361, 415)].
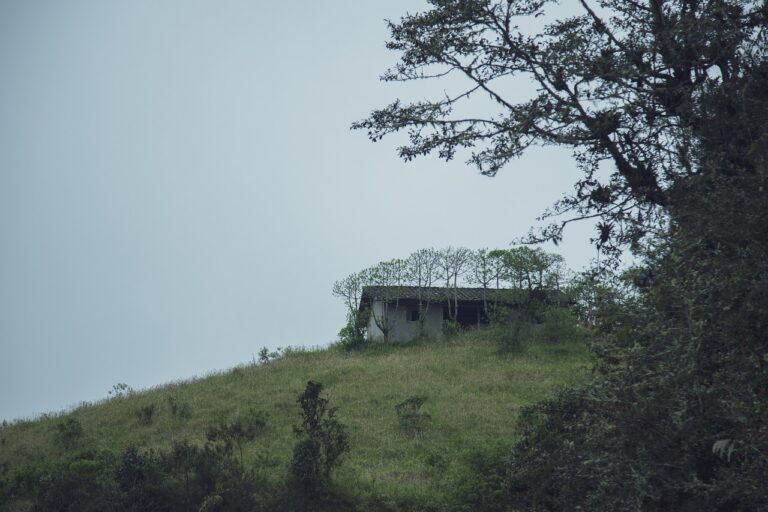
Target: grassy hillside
[(473, 396)]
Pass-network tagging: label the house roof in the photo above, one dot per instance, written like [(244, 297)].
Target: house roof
[(439, 293)]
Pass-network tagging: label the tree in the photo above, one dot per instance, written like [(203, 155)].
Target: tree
[(642, 85), (483, 271), (664, 104), (243, 429), (350, 290), (421, 271), (453, 262), (322, 439), (390, 276)]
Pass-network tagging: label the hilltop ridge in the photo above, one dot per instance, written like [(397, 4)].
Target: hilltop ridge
[(471, 393)]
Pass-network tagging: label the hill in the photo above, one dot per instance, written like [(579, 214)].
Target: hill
[(472, 397)]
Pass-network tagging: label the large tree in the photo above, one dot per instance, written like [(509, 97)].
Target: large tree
[(641, 86), (665, 106)]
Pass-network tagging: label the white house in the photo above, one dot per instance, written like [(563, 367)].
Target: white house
[(402, 310)]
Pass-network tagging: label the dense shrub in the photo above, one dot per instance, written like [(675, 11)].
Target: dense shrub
[(410, 419), (353, 336), (68, 432), (241, 430), (145, 414), (559, 324), (322, 440), (82, 481), (180, 410), (450, 328), (485, 486), (675, 419)]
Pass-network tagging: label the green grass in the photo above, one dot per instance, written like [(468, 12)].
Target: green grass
[(473, 397)]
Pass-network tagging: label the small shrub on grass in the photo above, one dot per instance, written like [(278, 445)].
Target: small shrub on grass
[(266, 357), (242, 430), (67, 433), (322, 440), (145, 414), (450, 328), (436, 460), (485, 483), (410, 419), (120, 390), (560, 325), (510, 337), (180, 411), (353, 336)]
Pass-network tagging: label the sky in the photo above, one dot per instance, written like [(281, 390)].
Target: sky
[(179, 186)]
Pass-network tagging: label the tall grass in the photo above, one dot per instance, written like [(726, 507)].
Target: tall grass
[(473, 395)]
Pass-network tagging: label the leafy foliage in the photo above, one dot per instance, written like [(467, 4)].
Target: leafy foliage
[(353, 336), (642, 86), (665, 106), (180, 410), (120, 390), (145, 414), (68, 432), (242, 430), (322, 439), (411, 420)]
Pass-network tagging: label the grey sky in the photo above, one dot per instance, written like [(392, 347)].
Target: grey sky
[(179, 186)]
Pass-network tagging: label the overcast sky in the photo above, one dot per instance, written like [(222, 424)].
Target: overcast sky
[(179, 186)]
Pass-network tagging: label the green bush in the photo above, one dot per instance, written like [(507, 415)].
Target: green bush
[(120, 390), (68, 432), (243, 429), (410, 419), (179, 410), (83, 482), (353, 336), (560, 325), (450, 328), (145, 414), (322, 440), (485, 483)]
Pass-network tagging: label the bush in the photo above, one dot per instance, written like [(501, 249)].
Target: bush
[(560, 325), (179, 410), (266, 357), (243, 429), (485, 483), (450, 328), (409, 416), (322, 439), (145, 414), (353, 336), (120, 390), (68, 432), (83, 482)]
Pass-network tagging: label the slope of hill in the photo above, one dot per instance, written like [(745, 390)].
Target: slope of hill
[(472, 394)]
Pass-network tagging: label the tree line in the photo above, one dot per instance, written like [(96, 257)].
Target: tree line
[(519, 268)]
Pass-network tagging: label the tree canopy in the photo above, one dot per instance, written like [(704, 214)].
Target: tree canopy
[(642, 88), (665, 106)]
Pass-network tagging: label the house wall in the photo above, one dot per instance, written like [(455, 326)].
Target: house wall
[(401, 328)]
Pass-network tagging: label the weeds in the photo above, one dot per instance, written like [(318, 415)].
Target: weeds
[(145, 414), (410, 419), (180, 411), (242, 430), (68, 432)]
